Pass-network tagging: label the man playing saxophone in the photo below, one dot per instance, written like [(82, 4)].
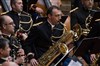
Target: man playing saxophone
[(41, 37)]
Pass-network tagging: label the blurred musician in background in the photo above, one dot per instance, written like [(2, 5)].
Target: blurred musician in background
[(80, 16), (4, 50), (35, 9), (95, 32), (22, 20), (7, 28)]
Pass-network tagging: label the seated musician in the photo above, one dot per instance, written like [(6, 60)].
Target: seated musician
[(79, 16), (4, 50), (94, 32), (41, 36), (7, 29)]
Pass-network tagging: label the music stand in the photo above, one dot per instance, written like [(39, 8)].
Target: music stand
[(88, 44)]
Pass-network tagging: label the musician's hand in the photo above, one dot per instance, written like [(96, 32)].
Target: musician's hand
[(21, 52), (24, 36), (9, 58), (39, 10), (93, 57), (33, 62), (20, 60)]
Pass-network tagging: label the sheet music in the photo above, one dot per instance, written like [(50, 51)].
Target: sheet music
[(73, 63)]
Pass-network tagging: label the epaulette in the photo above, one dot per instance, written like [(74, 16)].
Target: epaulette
[(61, 23), (74, 9), (4, 13), (23, 12), (98, 8), (37, 24), (97, 20)]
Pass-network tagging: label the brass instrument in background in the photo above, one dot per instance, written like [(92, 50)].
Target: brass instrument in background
[(58, 48), (79, 31)]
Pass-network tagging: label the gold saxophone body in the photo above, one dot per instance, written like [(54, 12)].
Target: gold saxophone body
[(58, 48)]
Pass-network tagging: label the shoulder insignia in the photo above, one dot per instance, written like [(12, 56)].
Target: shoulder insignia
[(61, 23), (4, 13), (97, 20), (98, 7), (25, 13), (37, 24), (74, 9)]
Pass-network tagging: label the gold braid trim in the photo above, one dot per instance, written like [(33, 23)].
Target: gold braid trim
[(74, 9), (64, 30), (37, 24)]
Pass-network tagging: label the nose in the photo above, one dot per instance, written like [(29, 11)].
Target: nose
[(21, 4), (9, 49)]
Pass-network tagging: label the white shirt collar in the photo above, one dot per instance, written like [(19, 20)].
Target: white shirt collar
[(52, 26)]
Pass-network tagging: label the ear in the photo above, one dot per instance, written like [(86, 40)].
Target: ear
[(4, 26), (1, 51), (13, 5), (49, 15)]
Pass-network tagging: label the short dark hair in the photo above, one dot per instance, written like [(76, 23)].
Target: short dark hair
[(3, 42), (12, 2), (50, 9), (2, 21)]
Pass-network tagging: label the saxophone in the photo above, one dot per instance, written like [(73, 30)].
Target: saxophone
[(58, 48), (79, 31)]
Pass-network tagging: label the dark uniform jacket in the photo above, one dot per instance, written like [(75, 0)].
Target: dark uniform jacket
[(2, 61), (39, 39), (95, 31), (14, 45), (79, 16), (22, 21)]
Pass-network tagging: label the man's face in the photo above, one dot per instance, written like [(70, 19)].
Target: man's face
[(6, 51), (55, 17), (88, 3), (18, 6), (9, 25)]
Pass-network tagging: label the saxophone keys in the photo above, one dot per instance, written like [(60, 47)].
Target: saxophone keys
[(63, 48)]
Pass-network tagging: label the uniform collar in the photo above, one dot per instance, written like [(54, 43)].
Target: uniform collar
[(52, 26), (15, 12), (5, 35)]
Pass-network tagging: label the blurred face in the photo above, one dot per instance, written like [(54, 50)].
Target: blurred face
[(55, 17), (88, 3), (18, 6), (9, 64), (56, 2), (6, 51), (9, 25)]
